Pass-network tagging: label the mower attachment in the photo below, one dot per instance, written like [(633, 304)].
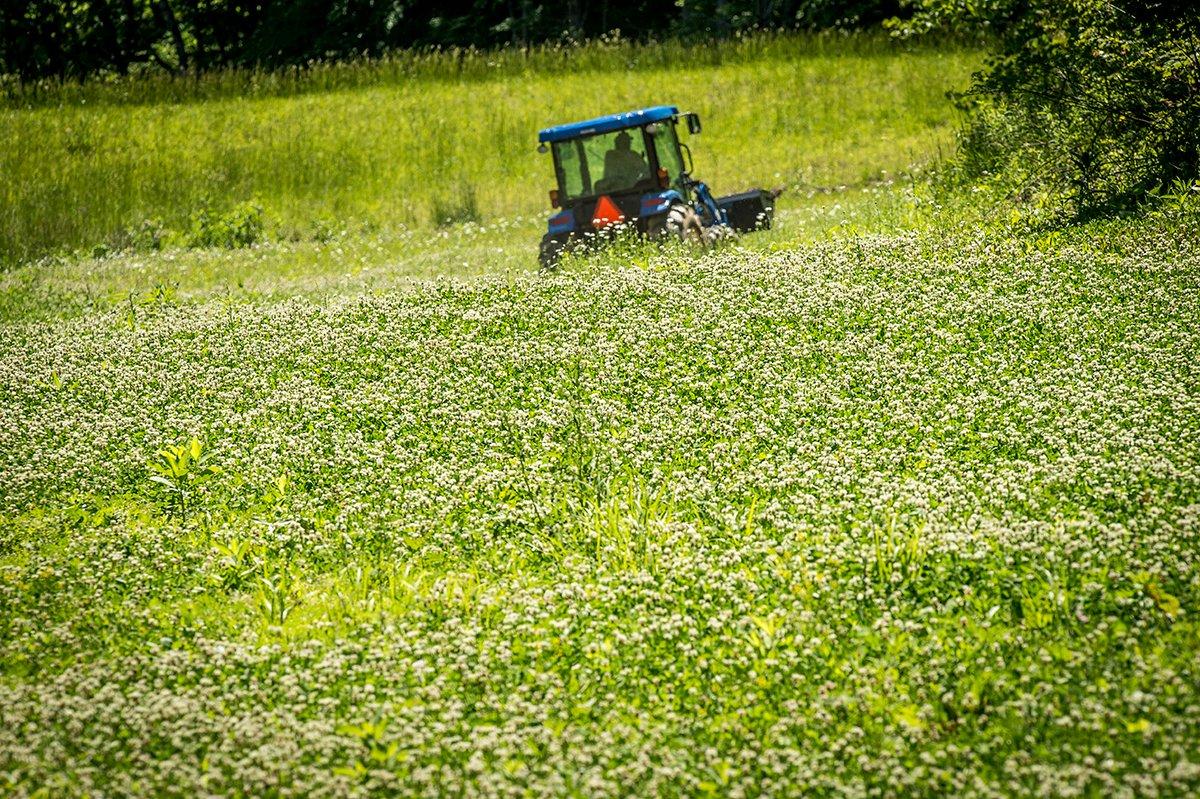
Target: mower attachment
[(750, 210)]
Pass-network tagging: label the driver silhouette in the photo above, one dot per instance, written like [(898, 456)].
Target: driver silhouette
[(622, 165)]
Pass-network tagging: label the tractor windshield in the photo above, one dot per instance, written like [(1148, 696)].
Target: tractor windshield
[(602, 164)]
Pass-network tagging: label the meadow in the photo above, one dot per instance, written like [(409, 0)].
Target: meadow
[(900, 498)]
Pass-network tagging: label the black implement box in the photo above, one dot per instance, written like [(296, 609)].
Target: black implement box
[(750, 210)]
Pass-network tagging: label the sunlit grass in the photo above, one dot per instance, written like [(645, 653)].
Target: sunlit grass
[(898, 497), (784, 517)]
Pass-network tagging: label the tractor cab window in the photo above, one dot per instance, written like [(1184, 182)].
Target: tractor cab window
[(666, 147), (602, 164)]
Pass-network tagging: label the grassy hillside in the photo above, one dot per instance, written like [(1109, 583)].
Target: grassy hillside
[(406, 142), (901, 497)]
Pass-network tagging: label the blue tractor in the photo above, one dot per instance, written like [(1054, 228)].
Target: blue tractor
[(630, 170)]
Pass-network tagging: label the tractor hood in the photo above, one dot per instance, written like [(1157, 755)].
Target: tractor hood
[(607, 123)]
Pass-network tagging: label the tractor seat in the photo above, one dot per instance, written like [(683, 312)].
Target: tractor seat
[(606, 185), (619, 183)]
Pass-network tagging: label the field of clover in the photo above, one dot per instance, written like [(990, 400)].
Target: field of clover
[(911, 514)]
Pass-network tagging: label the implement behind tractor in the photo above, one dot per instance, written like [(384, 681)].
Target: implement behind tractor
[(631, 171)]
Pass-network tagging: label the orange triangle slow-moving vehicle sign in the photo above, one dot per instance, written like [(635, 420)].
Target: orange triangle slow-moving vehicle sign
[(606, 213)]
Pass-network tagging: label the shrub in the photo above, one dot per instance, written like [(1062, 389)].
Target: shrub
[(241, 226), (1096, 100)]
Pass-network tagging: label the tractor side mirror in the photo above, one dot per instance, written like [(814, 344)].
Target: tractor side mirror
[(693, 123)]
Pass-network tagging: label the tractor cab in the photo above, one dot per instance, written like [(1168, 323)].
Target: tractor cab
[(627, 170), (616, 156)]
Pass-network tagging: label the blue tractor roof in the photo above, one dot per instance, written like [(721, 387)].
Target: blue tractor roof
[(605, 124)]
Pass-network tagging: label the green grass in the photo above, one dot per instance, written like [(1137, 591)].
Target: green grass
[(898, 498), (890, 509), (390, 143)]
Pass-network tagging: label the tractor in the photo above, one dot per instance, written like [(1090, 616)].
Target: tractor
[(631, 171)]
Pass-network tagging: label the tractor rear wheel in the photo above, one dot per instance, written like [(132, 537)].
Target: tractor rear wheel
[(680, 222), (549, 253)]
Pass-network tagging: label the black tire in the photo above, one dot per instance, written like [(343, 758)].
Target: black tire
[(550, 252)]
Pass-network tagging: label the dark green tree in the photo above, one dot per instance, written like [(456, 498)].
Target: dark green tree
[(1097, 100)]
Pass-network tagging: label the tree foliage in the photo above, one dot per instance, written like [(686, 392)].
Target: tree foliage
[(82, 38), (1098, 100)]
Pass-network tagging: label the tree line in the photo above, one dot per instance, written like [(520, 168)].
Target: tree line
[(85, 38)]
